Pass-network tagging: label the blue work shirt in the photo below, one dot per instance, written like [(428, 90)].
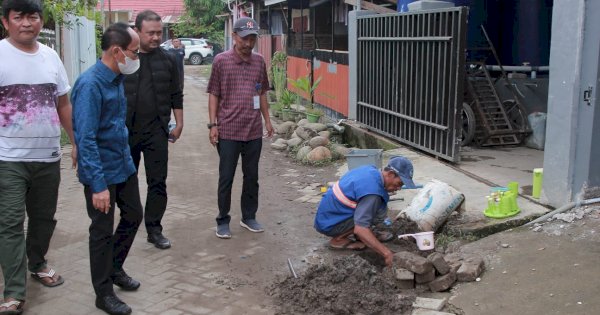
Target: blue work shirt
[(99, 111), (356, 184)]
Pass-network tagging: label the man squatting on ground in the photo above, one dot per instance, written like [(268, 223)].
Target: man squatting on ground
[(152, 92), (106, 168), (237, 97), (358, 201), (33, 105)]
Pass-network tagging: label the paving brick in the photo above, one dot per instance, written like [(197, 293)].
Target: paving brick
[(422, 311), (431, 304), (442, 283), (439, 263), (412, 262), (403, 274), (425, 277), (470, 269)]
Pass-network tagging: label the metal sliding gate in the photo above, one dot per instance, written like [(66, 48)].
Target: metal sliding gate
[(410, 77)]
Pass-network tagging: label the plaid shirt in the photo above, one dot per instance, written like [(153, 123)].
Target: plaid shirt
[(236, 82)]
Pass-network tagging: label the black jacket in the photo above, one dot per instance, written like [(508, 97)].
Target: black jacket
[(165, 77)]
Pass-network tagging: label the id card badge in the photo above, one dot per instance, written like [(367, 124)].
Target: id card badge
[(256, 100)]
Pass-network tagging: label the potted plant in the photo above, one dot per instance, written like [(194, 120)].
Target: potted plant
[(287, 99), (303, 84)]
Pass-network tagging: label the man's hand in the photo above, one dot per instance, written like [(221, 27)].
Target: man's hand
[(74, 157), (366, 236), (175, 133), (269, 128), (101, 201), (213, 136)]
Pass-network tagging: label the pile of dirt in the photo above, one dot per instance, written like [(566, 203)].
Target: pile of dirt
[(349, 285)]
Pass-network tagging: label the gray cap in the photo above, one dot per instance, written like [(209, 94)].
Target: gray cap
[(245, 26)]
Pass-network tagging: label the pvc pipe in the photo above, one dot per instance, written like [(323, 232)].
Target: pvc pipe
[(519, 68), (564, 208)]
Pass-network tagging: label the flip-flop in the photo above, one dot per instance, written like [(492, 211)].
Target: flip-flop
[(17, 311), (349, 245), (39, 276)]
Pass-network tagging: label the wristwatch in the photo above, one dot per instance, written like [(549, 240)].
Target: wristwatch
[(211, 125)]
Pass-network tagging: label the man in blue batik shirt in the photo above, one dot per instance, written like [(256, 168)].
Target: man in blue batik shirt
[(105, 166), (358, 201)]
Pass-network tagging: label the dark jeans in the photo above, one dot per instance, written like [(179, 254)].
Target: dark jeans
[(108, 251), (229, 152), (26, 188), (155, 147)]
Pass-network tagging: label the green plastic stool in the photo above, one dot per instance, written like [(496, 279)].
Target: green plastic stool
[(503, 202)]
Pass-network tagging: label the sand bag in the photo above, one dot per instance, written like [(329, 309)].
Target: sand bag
[(537, 139), (432, 206)]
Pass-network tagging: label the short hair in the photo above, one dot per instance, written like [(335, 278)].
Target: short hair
[(23, 6), (146, 15), (116, 34)]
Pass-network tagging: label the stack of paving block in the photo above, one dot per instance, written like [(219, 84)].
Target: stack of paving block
[(435, 273)]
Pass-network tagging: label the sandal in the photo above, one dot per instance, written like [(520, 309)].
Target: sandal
[(384, 236), (39, 276), (5, 308), (351, 245)]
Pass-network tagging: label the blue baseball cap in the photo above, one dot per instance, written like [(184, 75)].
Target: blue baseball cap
[(404, 169)]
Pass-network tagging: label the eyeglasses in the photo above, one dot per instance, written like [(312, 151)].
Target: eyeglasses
[(135, 52)]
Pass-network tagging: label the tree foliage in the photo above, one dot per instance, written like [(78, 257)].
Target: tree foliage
[(56, 10), (200, 20)]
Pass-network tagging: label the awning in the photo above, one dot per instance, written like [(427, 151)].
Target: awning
[(271, 2)]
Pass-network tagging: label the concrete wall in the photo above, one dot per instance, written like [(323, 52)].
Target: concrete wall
[(573, 126)]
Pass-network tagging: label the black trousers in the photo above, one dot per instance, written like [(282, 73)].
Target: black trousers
[(108, 251), (155, 147), (229, 153)]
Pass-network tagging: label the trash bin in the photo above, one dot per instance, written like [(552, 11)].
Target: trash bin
[(360, 157)]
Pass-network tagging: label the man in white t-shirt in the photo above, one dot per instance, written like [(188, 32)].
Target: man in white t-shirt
[(33, 105)]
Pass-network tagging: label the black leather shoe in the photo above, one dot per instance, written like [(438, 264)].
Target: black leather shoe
[(112, 305), (159, 240), (124, 281)]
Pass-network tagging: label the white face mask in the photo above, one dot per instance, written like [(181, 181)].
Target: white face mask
[(130, 66)]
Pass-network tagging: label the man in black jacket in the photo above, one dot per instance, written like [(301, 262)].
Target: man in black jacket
[(152, 92)]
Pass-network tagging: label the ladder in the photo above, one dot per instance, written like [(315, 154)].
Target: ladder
[(494, 120)]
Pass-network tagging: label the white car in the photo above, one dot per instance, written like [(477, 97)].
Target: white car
[(196, 49)]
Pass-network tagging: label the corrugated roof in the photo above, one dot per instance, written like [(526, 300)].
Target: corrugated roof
[(172, 9)]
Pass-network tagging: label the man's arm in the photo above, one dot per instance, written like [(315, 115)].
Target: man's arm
[(213, 108), (364, 215), (264, 109), (64, 110), (176, 132)]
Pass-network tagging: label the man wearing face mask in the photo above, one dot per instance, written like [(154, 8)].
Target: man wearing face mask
[(152, 93), (106, 168)]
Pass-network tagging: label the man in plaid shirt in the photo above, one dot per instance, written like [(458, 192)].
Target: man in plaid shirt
[(237, 98)]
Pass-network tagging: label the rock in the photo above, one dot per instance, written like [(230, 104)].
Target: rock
[(470, 269), (294, 142), (537, 229), (318, 141), (303, 153), (439, 263), (425, 277), (405, 284), (305, 133), (279, 144), (319, 154), (442, 283), (412, 262), (316, 126), (566, 217), (504, 245), (325, 134), (302, 122), (286, 128), (339, 150)]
